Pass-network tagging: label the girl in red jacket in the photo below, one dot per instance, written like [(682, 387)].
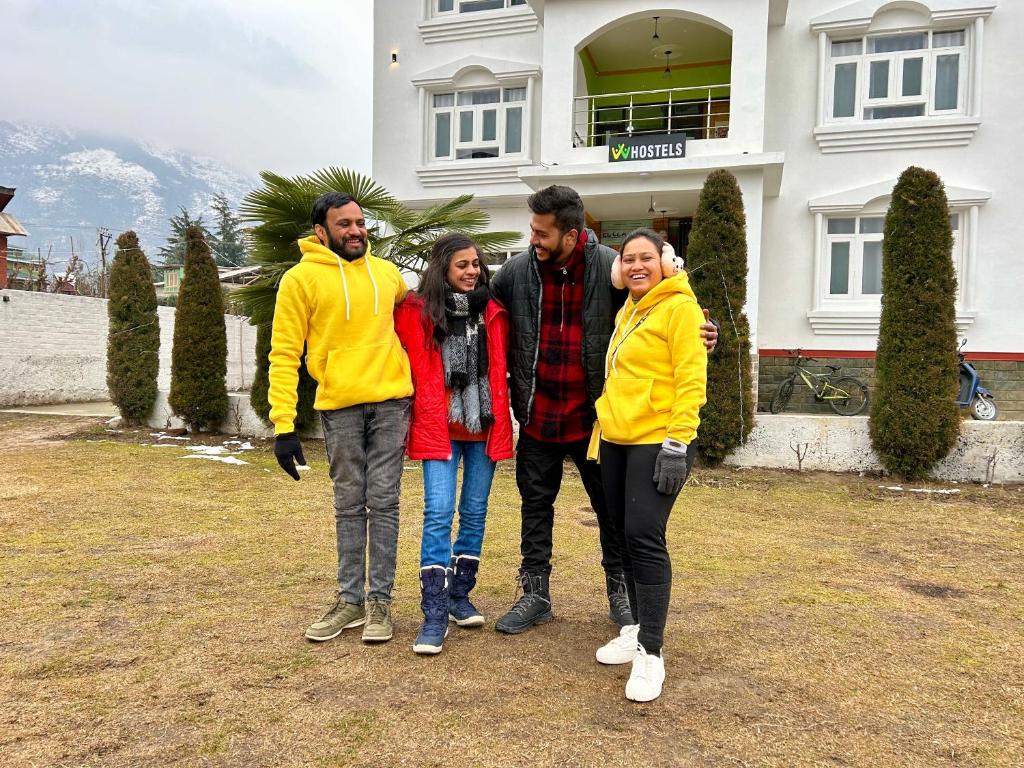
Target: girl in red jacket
[(456, 337)]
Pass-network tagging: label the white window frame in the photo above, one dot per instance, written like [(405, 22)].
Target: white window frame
[(858, 313), (936, 128), (855, 296), (456, 9), (896, 59), (855, 268), (456, 110), (441, 27)]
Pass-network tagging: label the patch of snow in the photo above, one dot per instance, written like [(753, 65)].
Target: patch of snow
[(23, 138), (219, 177), (222, 459), (165, 155), (891, 487), (943, 491), (107, 166), (208, 450), (45, 195)]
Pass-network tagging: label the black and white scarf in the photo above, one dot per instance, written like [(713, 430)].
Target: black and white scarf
[(464, 355)]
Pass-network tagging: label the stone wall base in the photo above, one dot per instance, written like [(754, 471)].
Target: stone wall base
[(842, 444)]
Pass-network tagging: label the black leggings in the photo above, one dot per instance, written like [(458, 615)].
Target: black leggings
[(640, 516)]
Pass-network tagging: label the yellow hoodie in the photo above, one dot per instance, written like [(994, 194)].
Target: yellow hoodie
[(344, 312), (655, 369)]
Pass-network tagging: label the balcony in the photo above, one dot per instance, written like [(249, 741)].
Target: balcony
[(698, 112)]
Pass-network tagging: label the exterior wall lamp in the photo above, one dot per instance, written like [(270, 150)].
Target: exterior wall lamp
[(394, 57)]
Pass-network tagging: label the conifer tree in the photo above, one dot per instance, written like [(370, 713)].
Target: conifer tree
[(716, 260), (199, 357), (305, 415), (226, 244), (259, 392), (173, 252), (914, 417), (133, 335)]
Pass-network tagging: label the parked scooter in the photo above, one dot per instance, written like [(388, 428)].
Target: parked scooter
[(972, 394)]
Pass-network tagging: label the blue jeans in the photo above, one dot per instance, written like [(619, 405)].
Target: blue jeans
[(439, 481)]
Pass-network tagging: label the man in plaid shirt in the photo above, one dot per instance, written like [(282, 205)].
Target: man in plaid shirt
[(562, 306)]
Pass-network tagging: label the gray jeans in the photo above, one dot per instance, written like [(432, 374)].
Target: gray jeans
[(365, 446)]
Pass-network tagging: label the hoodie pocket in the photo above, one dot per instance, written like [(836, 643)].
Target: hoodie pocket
[(624, 406), (367, 374)]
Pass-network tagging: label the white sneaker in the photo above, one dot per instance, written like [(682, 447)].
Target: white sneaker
[(647, 677), (622, 649)]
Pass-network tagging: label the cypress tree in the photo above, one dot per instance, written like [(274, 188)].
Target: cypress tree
[(914, 418), (716, 259), (133, 335), (305, 415), (258, 394), (199, 358)]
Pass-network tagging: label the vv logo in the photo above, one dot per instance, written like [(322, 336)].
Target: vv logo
[(621, 152)]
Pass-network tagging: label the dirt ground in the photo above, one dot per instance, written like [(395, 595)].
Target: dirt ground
[(152, 611)]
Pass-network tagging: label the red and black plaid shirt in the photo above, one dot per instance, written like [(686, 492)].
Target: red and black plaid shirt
[(561, 412)]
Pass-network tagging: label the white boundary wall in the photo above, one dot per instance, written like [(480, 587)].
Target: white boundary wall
[(53, 349), (842, 444)]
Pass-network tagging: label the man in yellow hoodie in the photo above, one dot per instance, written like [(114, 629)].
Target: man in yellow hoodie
[(338, 303)]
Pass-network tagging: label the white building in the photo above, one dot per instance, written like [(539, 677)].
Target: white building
[(816, 106)]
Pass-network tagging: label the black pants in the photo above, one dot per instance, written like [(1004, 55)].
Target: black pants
[(539, 477), (639, 516)]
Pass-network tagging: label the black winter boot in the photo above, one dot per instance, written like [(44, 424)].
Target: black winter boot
[(534, 607), (462, 578), (434, 602), (619, 609), (652, 611)]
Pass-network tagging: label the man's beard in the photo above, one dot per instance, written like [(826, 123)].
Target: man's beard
[(339, 248), (554, 254)]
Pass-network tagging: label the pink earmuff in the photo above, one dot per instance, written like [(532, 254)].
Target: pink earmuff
[(670, 265)]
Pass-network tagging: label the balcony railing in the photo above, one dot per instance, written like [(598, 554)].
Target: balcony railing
[(701, 112)]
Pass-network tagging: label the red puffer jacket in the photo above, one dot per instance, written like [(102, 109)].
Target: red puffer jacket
[(428, 428)]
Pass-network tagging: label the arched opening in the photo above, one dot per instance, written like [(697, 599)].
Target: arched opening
[(650, 75)]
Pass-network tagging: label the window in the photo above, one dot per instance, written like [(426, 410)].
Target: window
[(854, 252), (478, 124), (469, 6), (882, 77), (853, 257)]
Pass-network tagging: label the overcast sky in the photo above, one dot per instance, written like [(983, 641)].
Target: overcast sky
[(258, 84)]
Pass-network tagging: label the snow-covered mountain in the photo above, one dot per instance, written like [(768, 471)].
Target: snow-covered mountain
[(68, 184)]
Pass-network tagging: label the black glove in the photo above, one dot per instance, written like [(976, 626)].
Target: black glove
[(670, 468), (288, 451)]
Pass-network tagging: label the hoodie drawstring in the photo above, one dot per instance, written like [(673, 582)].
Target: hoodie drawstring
[(613, 351), (344, 287), (372, 280)]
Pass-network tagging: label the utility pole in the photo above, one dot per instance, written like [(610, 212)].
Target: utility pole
[(103, 240)]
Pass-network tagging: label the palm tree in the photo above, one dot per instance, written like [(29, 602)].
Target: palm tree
[(280, 212)]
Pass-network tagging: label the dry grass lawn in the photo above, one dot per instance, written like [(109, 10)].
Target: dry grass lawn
[(153, 608)]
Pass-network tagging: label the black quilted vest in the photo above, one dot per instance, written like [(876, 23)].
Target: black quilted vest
[(517, 286)]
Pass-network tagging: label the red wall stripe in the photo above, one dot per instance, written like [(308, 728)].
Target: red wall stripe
[(869, 354)]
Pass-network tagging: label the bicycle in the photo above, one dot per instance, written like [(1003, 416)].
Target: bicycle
[(846, 395)]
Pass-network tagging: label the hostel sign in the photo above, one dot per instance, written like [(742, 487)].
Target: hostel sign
[(657, 146)]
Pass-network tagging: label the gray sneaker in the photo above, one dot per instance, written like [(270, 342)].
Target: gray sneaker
[(341, 617), (378, 622)]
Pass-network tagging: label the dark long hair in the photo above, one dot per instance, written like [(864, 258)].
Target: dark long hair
[(435, 277)]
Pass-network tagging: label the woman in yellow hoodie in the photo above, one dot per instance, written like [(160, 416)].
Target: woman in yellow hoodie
[(655, 377)]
